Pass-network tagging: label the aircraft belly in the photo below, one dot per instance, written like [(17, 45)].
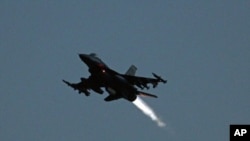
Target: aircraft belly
[(111, 91)]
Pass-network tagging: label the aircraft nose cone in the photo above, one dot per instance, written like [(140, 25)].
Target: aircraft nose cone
[(83, 56)]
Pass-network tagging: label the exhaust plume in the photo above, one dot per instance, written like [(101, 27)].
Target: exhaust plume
[(140, 104)]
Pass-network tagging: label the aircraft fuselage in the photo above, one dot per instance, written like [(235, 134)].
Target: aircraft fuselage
[(109, 78), (116, 84)]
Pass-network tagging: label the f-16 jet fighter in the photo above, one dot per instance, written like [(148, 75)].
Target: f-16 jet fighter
[(116, 84)]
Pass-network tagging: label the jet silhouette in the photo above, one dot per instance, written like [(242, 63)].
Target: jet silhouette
[(116, 84)]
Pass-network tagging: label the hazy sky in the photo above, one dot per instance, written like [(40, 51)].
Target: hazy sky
[(201, 47)]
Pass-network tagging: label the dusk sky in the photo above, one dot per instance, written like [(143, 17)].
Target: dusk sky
[(201, 47)]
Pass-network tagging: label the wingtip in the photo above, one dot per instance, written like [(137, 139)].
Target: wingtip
[(159, 78), (66, 82)]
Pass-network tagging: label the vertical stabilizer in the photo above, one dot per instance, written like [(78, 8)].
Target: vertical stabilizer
[(131, 71)]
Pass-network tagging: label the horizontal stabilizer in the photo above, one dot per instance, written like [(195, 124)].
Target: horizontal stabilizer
[(112, 97), (146, 94)]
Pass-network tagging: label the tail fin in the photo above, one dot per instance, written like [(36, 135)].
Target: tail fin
[(146, 94), (131, 71)]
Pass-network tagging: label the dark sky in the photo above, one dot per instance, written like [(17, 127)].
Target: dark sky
[(201, 47)]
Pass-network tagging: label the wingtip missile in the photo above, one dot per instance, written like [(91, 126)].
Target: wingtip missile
[(159, 78), (66, 82)]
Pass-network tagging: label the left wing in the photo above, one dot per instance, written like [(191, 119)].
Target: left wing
[(86, 84), (142, 82), (78, 86)]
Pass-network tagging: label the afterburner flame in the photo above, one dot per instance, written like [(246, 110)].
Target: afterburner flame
[(147, 110)]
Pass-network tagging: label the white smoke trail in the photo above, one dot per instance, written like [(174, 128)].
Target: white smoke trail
[(139, 103)]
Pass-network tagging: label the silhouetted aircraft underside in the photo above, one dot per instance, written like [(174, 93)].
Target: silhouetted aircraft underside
[(116, 84)]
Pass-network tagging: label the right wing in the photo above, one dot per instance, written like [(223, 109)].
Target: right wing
[(142, 82)]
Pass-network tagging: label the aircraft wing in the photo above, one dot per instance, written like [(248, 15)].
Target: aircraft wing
[(78, 86), (142, 82), (85, 85)]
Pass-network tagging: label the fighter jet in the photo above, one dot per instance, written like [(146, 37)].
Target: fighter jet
[(116, 84)]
